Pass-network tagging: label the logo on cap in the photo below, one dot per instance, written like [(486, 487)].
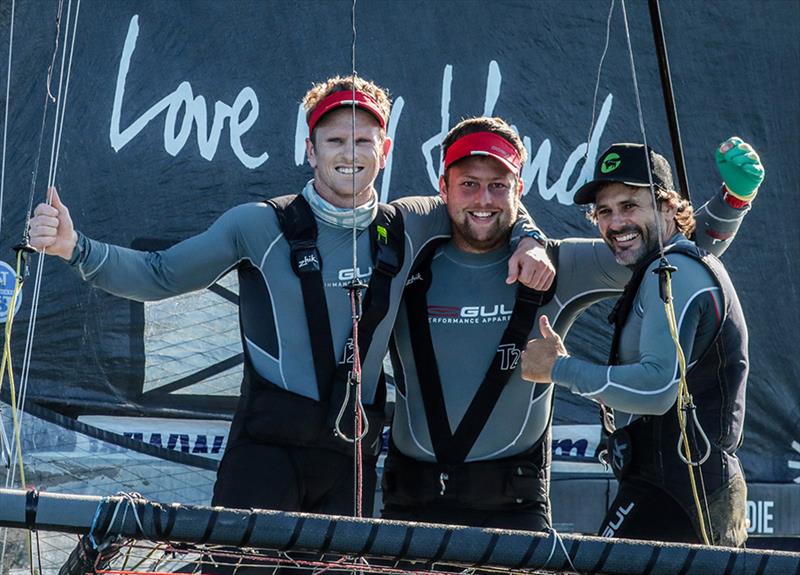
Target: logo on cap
[(610, 163)]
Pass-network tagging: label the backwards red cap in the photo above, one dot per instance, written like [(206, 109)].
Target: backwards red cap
[(484, 144), (345, 98)]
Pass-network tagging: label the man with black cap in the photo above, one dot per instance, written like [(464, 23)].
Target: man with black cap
[(470, 441), (679, 477)]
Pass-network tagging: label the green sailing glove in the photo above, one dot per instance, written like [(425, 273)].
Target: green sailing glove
[(740, 168)]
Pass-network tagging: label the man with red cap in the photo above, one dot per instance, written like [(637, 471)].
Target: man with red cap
[(470, 439), (296, 321)]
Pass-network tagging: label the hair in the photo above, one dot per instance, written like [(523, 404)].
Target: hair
[(494, 125), (684, 215), (322, 90)]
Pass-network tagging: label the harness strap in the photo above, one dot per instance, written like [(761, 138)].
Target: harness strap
[(299, 226), (387, 241), (623, 307), (453, 448)]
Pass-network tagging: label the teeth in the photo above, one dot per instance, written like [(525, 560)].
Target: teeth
[(626, 237), (348, 171), (481, 214)]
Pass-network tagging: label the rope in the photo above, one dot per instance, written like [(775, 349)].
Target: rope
[(684, 400), (599, 73), (5, 118)]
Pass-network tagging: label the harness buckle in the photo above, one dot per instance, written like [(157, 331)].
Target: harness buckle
[(443, 477)]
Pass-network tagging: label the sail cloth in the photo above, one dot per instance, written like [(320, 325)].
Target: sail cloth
[(178, 111)]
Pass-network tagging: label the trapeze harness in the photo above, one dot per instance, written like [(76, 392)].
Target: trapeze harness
[(489, 484), (274, 415), (647, 447)]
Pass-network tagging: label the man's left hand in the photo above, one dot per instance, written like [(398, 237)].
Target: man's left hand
[(530, 266), (540, 355)]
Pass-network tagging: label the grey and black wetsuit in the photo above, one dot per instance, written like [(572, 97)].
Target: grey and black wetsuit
[(643, 380), (503, 481), (247, 238)]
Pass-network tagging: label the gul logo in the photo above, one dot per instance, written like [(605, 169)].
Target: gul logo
[(610, 163), (308, 260), (347, 274), (612, 527), (468, 311), (509, 356)]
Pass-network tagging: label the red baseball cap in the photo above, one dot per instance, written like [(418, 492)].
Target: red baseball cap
[(345, 98), (484, 144)]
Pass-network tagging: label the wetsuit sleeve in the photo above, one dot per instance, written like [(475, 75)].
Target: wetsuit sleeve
[(586, 266), (647, 383), (717, 223), (425, 219), (190, 265), (524, 226)]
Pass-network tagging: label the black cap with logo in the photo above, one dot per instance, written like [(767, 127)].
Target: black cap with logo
[(626, 163)]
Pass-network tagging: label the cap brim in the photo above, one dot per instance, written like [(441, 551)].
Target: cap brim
[(587, 192)]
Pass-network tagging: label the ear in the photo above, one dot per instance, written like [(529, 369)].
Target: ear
[(312, 158), (668, 212), (387, 146), (520, 187), (442, 189)]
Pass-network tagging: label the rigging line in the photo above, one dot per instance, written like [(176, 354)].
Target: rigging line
[(355, 296), (60, 105), (5, 119), (642, 128), (26, 361), (599, 73), (684, 397)]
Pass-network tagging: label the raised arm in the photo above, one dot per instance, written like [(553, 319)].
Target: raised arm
[(718, 220), (190, 265)]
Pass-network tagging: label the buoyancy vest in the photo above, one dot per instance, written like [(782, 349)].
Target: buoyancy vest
[(717, 383), (268, 413)]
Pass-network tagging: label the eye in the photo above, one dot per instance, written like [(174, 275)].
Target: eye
[(498, 186), (630, 206)]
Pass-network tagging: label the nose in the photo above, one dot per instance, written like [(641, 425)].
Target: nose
[(484, 194)]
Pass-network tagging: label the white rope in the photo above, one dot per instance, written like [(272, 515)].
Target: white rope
[(55, 150), (5, 119), (642, 129), (599, 73), (658, 219)]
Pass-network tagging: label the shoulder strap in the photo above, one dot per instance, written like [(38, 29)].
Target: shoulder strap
[(454, 448), (622, 309), (299, 226)]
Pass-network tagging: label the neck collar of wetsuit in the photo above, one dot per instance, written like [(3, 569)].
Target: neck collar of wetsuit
[(476, 260), (361, 217)]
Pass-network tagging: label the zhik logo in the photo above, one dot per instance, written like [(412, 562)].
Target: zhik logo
[(307, 260)]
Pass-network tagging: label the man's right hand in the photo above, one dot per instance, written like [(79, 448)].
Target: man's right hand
[(51, 229)]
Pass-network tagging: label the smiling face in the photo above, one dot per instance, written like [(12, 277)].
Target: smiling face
[(331, 156), (482, 198), (627, 221)]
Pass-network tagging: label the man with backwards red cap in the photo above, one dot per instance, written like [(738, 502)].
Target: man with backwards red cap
[(470, 440), (282, 452)]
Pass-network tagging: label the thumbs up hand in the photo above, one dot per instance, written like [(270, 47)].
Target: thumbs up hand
[(51, 229), (540, 354)]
